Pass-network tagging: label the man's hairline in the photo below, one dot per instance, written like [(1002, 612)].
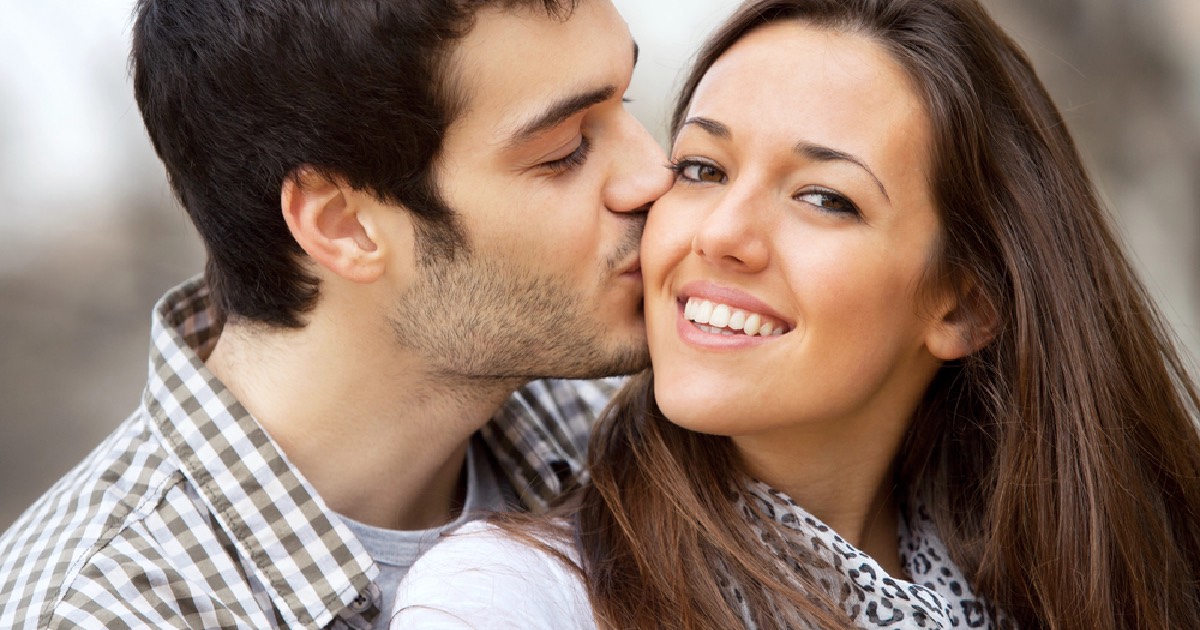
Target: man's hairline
[(449, 78), (452, 79)]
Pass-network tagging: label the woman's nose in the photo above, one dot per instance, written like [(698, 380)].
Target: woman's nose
[(732, 234)]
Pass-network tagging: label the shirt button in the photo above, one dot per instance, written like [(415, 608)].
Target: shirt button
[(360, 604)]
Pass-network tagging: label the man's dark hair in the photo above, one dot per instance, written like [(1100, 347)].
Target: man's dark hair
[(236, 95)]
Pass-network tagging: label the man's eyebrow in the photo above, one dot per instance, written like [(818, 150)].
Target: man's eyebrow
[(564, 109), (558, 112), (821, 153)]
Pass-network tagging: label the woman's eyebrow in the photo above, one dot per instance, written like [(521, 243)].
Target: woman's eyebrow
[(808, 150), (713, 127), (821, 153)]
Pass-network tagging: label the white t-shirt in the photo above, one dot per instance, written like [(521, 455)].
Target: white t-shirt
[(394, 551), (479, 578)]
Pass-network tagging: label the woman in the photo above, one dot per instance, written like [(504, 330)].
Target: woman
[(881, 298)]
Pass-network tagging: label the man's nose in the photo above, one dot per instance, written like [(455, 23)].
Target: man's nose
[(639, 175)]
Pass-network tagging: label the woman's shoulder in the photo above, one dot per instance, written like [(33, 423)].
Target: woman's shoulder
[(483, 576)]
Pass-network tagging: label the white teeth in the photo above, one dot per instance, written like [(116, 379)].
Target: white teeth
[(752, 324), (720, 316), (723, 319), (737, 321)]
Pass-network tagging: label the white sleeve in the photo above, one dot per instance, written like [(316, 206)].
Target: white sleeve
[(480, 579)]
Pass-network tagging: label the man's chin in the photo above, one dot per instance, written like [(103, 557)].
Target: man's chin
[(629, 352), (633, 365), (626, 361), (632, 357)]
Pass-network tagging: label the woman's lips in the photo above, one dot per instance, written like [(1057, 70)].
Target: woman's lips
[(734, 300)]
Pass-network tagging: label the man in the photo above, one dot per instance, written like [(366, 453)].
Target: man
[(411, 209)]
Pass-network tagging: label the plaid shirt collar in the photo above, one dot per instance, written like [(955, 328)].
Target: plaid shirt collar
[(315, 568), (312, 564)]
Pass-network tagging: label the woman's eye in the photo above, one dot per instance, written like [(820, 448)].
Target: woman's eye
[(828, 201), (701, 172)]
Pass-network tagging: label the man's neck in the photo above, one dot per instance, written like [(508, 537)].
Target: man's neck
[(382, 442)]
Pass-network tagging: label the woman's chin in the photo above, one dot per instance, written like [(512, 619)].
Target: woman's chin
[(695, 409)]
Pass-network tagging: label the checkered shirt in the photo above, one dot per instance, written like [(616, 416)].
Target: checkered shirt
[(189, 515)]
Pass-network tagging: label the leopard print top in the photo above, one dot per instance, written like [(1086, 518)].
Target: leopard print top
[(935, 596)]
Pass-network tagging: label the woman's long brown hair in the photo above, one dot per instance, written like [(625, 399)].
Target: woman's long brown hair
[(1061, 462)]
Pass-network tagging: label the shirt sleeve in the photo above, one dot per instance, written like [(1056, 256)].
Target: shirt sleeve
[(481, 579)]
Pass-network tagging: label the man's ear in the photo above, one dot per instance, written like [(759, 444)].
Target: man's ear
[(963, 322), (326, 218)]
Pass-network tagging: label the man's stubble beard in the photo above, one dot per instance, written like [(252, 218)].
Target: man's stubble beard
[(486, 319)]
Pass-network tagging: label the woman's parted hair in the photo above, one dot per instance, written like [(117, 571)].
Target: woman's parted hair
[(1060, 462)]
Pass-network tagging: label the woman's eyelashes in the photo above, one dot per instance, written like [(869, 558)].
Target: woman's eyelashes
[(694, 171), (697, 171), (572, 160), (828, 201)]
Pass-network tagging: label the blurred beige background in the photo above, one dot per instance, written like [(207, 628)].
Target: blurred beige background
[(90, 235)]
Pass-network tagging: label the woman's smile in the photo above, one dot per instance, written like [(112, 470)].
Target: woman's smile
[(714, 316)]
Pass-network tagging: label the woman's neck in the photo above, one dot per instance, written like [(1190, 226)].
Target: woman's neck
[(841, 477)]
